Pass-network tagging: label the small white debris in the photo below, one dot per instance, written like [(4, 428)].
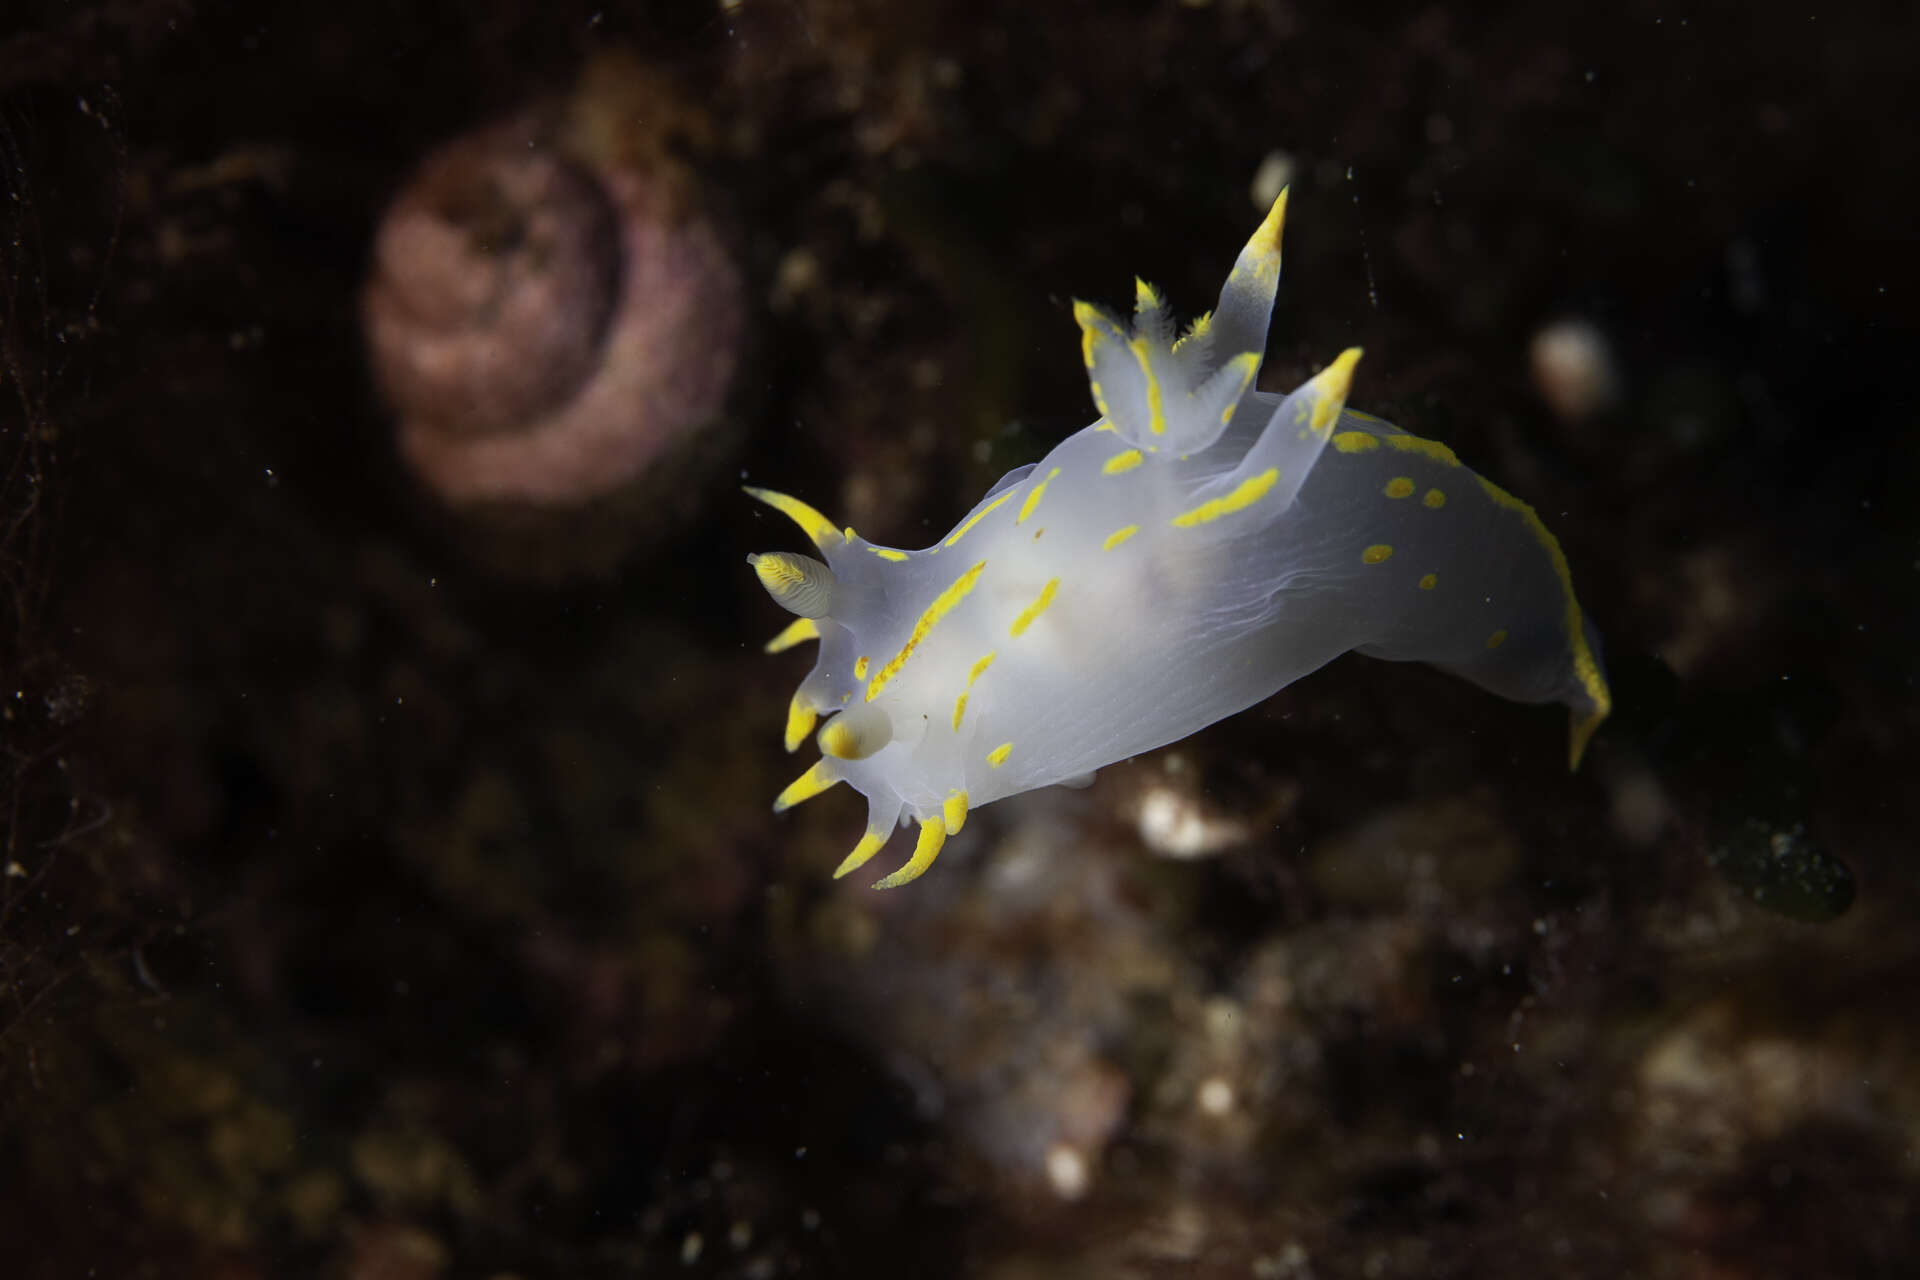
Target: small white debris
[(1215, 1096), (1573, 369), (1275, 172), (1067, 1171)]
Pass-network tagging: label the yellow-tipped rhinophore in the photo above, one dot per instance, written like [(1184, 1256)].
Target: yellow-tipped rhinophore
[(870, 844), (798, 584), (811, 522), (800, 721), (933, 834), (806, 786), (797, 631), (1331, 385)]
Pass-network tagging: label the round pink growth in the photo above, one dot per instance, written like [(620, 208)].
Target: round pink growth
[(545, 330)]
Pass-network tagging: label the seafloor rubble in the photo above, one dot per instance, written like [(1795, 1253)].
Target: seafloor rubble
[(390, 887)]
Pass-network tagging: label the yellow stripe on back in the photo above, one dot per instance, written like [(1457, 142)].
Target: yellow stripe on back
[(1248, 493), (942, 605)]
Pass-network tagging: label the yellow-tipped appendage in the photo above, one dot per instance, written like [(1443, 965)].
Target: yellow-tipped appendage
[(1330, 387), (797, 631), (933, 834), (870, 844), (819, 778), (954, 812), (816, 526), (800, 720)]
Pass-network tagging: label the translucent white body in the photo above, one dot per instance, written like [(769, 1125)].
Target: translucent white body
[(1199, 547)]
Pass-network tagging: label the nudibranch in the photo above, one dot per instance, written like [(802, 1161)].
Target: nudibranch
[(1201, 546)]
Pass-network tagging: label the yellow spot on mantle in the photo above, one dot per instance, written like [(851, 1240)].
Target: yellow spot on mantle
[(1376, 553), (959, 710), (888, 553), (1399, 487), (860, 665), (976, 518), (1039, 606), (1033, 498), (1431, 449), (1120, 462), (980, 667), (1355, 441), (942, 605), (1429, 582), (998, 756), (1434, 500), (1119, 536), (1248, 493)]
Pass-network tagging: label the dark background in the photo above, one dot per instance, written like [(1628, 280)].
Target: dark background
[(374, 909)]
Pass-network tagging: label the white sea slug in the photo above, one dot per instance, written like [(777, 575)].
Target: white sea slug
[(1199, 547)]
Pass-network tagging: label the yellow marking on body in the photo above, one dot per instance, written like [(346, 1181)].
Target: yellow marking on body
[(1431, 449), (800, 721), (811, 522), (1434, 500), (1249, 492), (860, 665), (1355, 441), (960, 704), (942, 605), (1497, 639), (800, 629), (1376, 554), (1034, 610), (1033, 498), (888, 553), (1198, 330), (1586, 668), (1119, 536), (933, 834), (1429, 582), (806, 786), (976, 518), (1123, 462), (954, 812), (1399, 487), (1090, 319), (1332, 384), (998, 756), (870, 844), (1156, 406)]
